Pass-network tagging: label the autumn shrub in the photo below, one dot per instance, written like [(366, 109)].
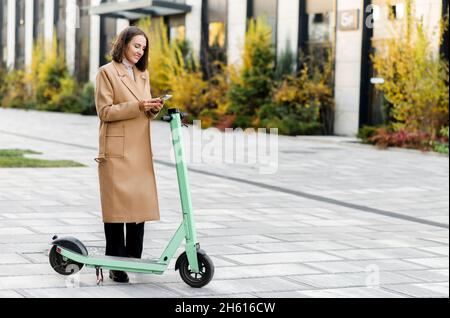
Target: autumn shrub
[(415, 79)]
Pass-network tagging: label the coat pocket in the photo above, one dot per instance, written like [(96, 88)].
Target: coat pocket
[(115, 141)]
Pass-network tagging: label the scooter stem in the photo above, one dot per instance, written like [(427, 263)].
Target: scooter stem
[(183, 185)]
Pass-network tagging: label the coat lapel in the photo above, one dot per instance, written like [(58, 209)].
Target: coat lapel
[(141, 80), (137, 88)]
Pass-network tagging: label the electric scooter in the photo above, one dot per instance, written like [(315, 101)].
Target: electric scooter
[(68, 255)]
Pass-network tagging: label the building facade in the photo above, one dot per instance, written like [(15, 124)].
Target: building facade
[(84, 30)]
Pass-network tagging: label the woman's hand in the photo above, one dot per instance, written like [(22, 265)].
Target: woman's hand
[(159, 105), (154, 105)]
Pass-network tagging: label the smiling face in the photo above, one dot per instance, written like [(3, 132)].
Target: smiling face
[(135, 48)]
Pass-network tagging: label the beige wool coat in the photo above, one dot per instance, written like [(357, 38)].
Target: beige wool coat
[(125, 161)]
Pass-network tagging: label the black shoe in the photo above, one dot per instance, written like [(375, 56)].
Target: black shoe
[(119, 276)]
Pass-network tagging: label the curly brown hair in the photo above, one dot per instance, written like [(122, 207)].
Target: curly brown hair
[(121, 44)]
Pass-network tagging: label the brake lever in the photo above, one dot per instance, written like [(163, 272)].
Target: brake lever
[(167, 118)]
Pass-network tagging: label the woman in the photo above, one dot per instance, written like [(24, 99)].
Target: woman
[(127, 180)]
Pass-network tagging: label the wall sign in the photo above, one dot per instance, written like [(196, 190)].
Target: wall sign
[(349, 20)]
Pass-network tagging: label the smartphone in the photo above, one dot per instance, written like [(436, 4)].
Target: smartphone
[(166, 97)]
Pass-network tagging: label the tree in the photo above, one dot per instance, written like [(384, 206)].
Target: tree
[(251, 85), (415, 79)]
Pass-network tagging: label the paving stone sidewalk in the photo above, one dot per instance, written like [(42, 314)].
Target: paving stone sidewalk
[(336, 219)]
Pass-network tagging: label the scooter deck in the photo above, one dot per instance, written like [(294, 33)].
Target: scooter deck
[(116, 263), (125, 259)]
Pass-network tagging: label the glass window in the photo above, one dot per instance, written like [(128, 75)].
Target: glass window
[(38, 30), (317, 27), (60, 24), (376, 12), (3, 34), (20, 34), (217, 19), (268, 9), (397, 11), (318, 6), (217, 11), (82, 40), (177, 27), (320, 21), (378, 106), (107, 36)]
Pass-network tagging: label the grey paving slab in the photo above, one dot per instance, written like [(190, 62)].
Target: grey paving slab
[(343, 280), (227, 296), (15, 231), (422, 290), (296, 246), (429, 276), (432, 262), (12, 258), (25, 269), (10, 294), (351, 292), (443, 240), (331, 215), (247, 285), (235, 239), (274, 258), (438, 250), (130, 291), (270, 270), (386, 253), (31, 281), (387, 243), (37, 257), (347, 266)]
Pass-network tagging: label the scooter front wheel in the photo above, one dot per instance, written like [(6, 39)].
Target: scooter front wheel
[(63, 265), (200, 279)]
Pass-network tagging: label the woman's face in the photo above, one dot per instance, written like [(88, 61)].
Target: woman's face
[(136, 48)]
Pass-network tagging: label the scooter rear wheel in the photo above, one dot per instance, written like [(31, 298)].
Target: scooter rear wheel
[(63, 265), (196, 280)]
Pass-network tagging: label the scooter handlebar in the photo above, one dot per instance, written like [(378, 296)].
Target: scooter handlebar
[(168, 118)]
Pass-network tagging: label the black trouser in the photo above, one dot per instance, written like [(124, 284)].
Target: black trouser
[(118, 245)]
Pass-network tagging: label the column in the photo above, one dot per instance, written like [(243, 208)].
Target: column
[(194, 26), (94, 56), (237, 25), (11, 34), (348, 66), (287, 26), (29, 25), (121, 23), (49, 25), (72, 24)]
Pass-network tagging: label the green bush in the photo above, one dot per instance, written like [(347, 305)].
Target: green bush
[(87, 100), (285, 64), (67, 99), (14, 90), (172, 70), (367, 132), (441, 145), (47, 85), (54, 87), (291, 119), (251, 86), (415, 79), (3, 90)]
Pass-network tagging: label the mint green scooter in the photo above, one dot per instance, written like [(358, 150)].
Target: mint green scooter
[(68, 255)]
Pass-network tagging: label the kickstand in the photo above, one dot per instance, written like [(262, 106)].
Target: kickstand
[(99, 273)]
